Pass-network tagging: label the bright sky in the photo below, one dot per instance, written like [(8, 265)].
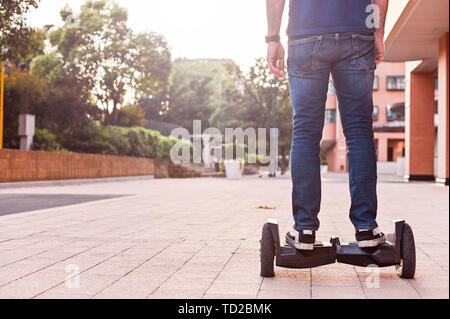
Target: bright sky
[(194, 28)]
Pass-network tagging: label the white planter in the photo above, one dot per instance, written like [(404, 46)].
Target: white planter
[(324, 168), (233, 169), (401, 166)]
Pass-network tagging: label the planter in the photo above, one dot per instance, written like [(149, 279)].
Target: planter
[(324, 168), (401, 166), (233, 169)]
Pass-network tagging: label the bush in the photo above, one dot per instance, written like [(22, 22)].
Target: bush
[(46, 141), (116, 140)]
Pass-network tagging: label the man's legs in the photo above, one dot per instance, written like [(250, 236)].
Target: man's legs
[(308, 94), (353, 80)]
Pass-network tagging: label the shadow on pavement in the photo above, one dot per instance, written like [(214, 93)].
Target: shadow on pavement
[(20, 203)]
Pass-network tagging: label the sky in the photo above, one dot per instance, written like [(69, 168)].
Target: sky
[(232, 29)]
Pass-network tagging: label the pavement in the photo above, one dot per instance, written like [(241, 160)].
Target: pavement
[(199, 238)]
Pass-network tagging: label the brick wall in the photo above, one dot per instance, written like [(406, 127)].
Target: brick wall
[(34, 166)]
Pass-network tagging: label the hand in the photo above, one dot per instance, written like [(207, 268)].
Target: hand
[(275, 58), (379, 47)]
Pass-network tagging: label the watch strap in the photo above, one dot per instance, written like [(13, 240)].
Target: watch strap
[(273, 38)]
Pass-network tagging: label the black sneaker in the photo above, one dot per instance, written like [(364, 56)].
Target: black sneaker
[(303, 239), (370, 238)]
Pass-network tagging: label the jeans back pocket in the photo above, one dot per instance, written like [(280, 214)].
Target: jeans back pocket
[(363, 52), (302, 54)]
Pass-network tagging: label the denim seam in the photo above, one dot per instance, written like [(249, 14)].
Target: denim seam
[(355, 50), (316, 52), (364, 37), (354, 61), (304, 40), (338, 39)]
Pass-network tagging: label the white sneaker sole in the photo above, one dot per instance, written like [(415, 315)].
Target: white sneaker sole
[(372, 243), (299, 246)]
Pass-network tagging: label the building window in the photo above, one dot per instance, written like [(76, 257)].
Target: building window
[(376, 112), (395, 83), (395, 112), (330, 116), (376, 83)]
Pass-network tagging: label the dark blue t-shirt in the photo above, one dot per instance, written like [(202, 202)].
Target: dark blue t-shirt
[(327, 16)]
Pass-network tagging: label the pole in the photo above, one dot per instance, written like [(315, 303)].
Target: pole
[(275, 124), (2, 89)]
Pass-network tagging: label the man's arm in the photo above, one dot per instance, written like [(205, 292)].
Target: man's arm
[(275, 51), (379, 34)]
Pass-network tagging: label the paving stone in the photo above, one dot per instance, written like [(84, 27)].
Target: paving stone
[(334, 277), (285, 293), (284, 284), (333, 292)]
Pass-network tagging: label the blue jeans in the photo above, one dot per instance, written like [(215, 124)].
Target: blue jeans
[(350, 59)]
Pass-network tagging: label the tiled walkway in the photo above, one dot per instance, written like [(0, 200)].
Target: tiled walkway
[(199, 238)]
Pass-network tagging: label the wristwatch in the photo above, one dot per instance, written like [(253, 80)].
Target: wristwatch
[(273, 38)]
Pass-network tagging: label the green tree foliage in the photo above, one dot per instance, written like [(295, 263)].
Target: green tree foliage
[(130, 116), (60, 109), (29, 49), (14, 33), (49, 68), (97, 64), (261, 88), (219, 94), (199, 88), (106, 58)]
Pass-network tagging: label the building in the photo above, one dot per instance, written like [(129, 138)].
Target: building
[(411, 113), (417, 32), (389, 120)]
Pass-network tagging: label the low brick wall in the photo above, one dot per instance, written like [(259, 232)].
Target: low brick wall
[(35, 166)]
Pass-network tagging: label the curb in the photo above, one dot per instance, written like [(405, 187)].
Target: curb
[(69, 182)]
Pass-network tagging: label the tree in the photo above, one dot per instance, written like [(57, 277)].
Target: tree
[(62, 109), (130, 116), (104, 55), (34, 46), (230, 112), (14, 34), (261, 88), (199, 89), (21, 92)]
